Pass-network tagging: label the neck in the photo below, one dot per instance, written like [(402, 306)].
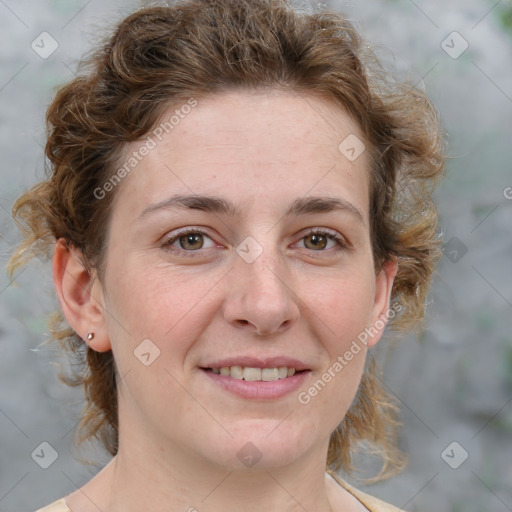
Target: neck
[(151, 472), (172, 480)]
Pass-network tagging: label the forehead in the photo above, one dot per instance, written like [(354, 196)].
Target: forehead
[(249, 120), (245, 142)]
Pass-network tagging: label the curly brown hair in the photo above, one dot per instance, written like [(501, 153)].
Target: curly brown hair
[(163, 55)]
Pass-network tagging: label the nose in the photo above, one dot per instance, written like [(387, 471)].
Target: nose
[(261, 298)]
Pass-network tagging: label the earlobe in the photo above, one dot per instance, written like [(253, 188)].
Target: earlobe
[(381, 306), (80, 296)]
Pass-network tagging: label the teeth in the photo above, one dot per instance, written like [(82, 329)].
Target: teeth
[(237, 372), (254, 374), (268, 374)]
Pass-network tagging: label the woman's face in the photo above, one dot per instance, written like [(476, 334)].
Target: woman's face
[(240, 238)]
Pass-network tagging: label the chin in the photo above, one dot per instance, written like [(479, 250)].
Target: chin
[(264, 444)]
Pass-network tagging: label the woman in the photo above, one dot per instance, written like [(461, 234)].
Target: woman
[(239, 202)]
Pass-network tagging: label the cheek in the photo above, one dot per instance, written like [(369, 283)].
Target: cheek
[(166, 305), (343, 303), (342, 311), (343, 307)]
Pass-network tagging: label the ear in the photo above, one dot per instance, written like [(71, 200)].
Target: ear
[(381, 311), (80, 295)]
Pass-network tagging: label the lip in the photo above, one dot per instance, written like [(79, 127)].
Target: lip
[(258, 362), (258, 390)]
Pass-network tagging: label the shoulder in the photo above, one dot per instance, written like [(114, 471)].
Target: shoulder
[(371, 503), (56, 506)]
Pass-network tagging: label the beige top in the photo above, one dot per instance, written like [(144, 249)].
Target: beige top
[(371, 503)]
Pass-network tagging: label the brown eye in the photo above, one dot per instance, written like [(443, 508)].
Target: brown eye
[(191, 241), (315, 241), (321, 240)]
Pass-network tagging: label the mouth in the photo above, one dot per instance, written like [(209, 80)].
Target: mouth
[(259, 381), (257, 377), (254, 374)]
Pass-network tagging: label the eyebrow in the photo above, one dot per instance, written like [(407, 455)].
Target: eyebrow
[(213, 204)]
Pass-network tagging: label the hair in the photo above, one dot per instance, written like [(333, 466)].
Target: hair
[(164, 55)]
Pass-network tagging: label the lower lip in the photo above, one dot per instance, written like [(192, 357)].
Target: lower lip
[(259, 390)]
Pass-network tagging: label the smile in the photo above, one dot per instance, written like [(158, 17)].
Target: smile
[(262, 384), (254, 374)]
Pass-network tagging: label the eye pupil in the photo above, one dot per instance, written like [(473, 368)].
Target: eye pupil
[(316, 241), (191, 241)]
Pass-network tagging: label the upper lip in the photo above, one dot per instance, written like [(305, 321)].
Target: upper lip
[(258, 362)]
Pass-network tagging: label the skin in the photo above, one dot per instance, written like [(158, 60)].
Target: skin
[(179, 432)]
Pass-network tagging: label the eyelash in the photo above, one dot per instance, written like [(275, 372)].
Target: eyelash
[(332, 235)]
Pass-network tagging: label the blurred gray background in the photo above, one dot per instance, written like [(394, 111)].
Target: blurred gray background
[(454, 383)]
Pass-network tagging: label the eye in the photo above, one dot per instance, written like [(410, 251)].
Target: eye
[(193, 240), (189, 240), (319, 240)]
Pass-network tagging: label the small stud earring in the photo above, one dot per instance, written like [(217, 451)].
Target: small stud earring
[(90, 336)]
